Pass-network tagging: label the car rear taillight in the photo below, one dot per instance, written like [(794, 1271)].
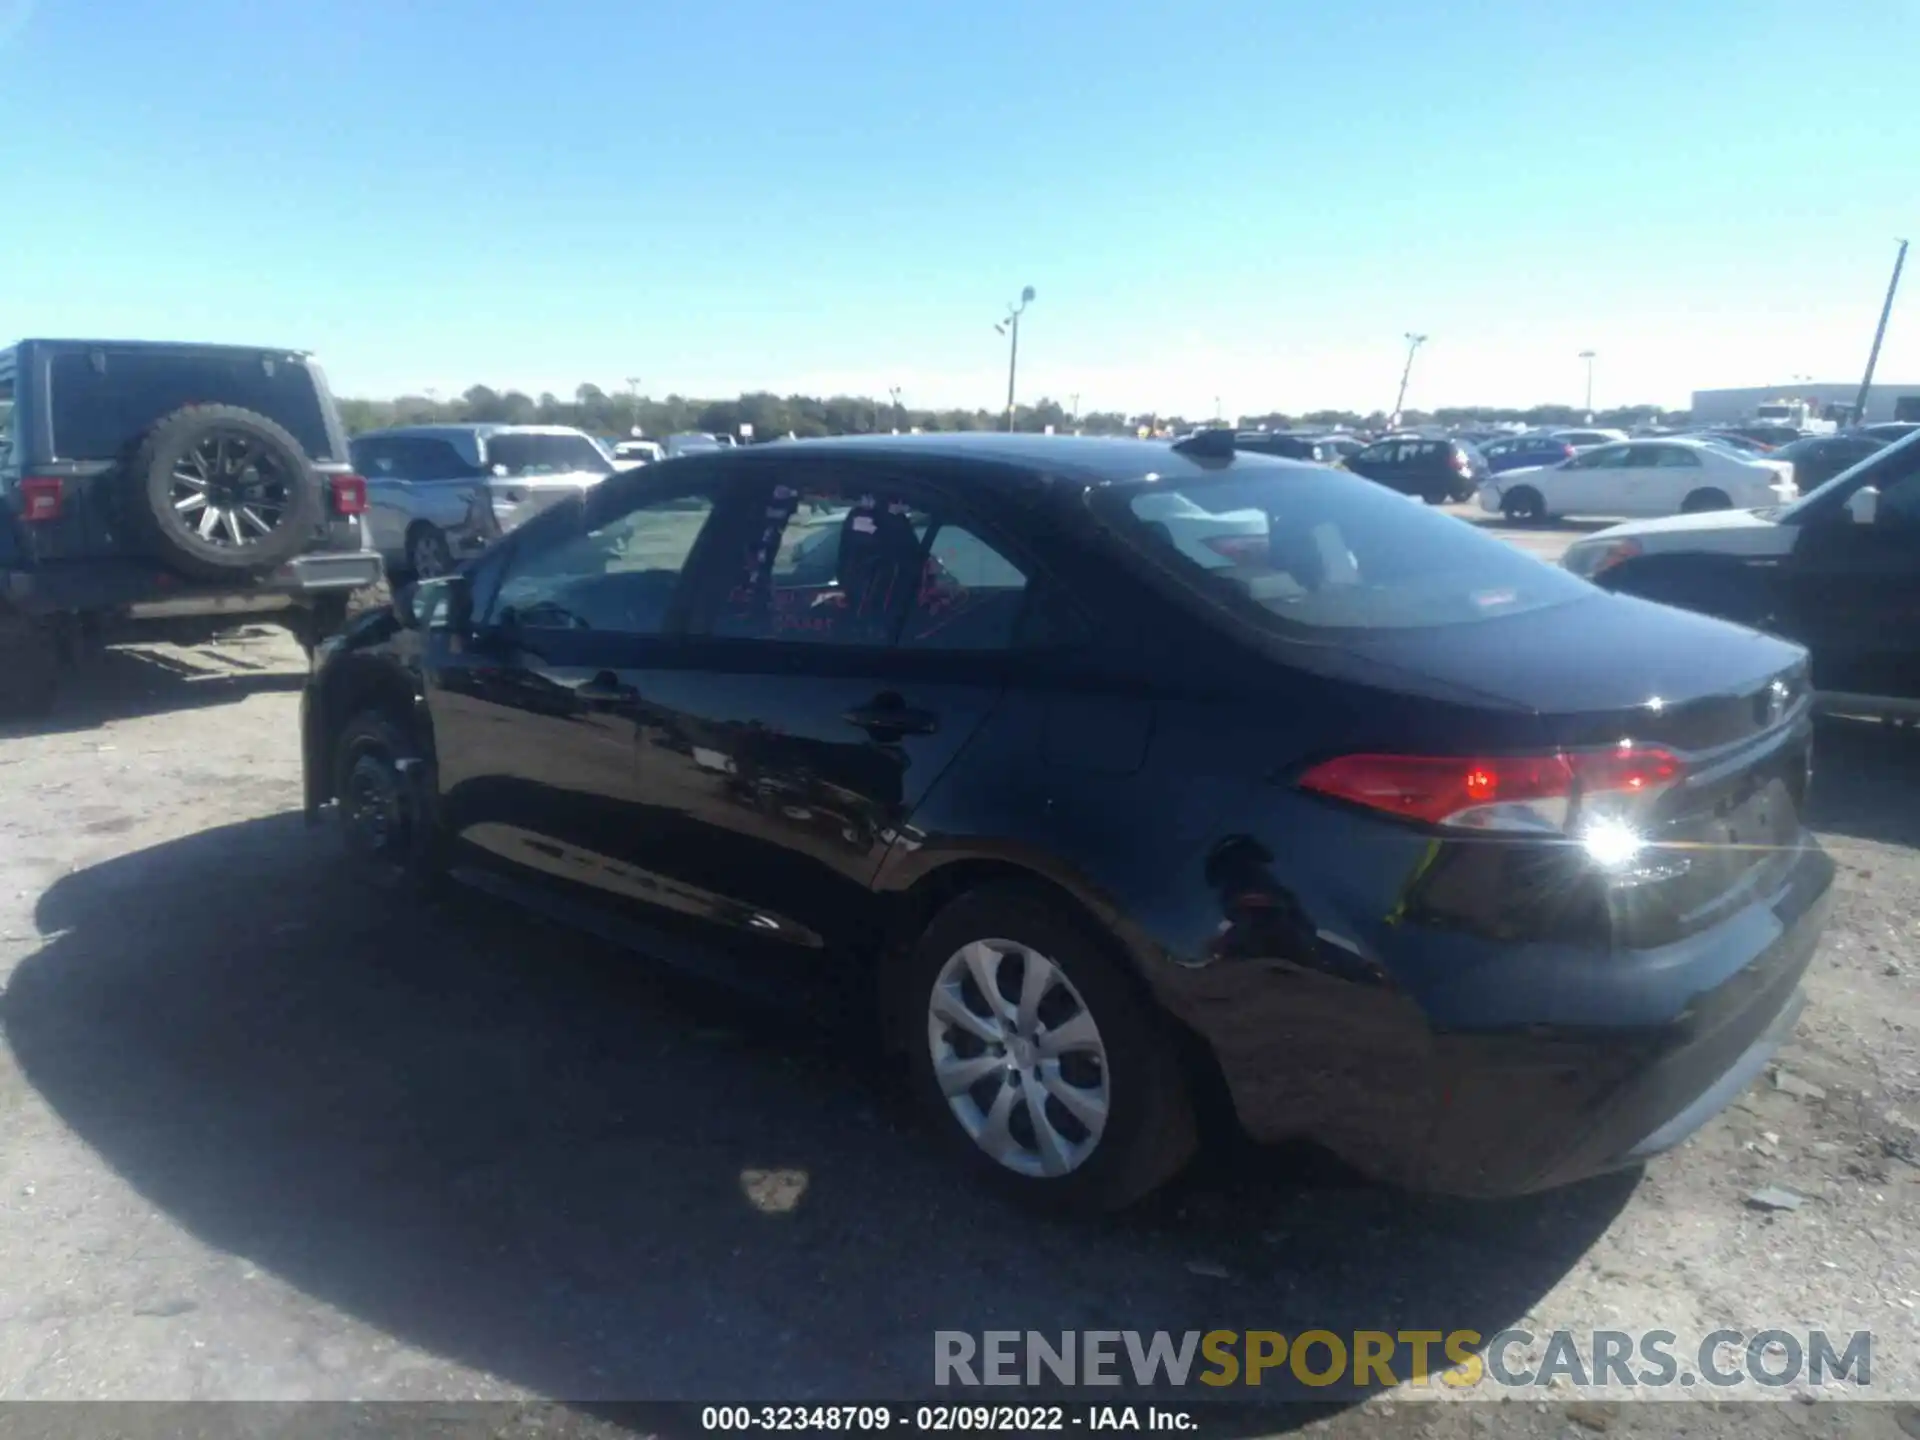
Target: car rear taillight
[(1461, 463), (41, 497), (1566, 452), (1559, 791), (1240, 549), (349, 494)]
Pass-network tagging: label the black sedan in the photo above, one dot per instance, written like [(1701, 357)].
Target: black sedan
[(1818, 458), (1113, 775)]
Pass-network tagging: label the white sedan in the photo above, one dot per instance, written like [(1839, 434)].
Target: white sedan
[(1641, 477)]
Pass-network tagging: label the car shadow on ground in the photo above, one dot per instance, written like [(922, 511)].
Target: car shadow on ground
[(1861, 767), (125, 681), (532, 1154)]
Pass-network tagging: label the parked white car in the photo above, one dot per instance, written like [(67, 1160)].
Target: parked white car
[(1640, 477)]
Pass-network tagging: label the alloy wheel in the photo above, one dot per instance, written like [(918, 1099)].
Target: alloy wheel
[(230, 491), (1019, 1058)]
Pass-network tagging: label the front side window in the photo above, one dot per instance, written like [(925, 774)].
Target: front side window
[(105, 400), (524, 453), (618, 574), (1312, 552), (859, 563), (1675, 457)]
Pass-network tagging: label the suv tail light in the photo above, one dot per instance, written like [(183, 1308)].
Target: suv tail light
[(41, 497), (349, 494), (1461, 463), (1566, 452), (1562, 791)]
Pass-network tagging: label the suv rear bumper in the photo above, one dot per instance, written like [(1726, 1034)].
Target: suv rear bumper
[(139, 589)]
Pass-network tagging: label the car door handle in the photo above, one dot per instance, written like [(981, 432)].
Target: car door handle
[(606, 688), (889, 715)]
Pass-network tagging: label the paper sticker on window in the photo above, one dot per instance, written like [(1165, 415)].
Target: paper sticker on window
[(897, 507), (785, 492), (1487, 599), (864, 525)]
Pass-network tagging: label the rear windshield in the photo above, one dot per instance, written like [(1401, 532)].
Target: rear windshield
[(101, 410), (525, 454), (1308, 550)]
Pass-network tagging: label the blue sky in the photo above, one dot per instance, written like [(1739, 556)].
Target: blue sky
[(1251, 200)]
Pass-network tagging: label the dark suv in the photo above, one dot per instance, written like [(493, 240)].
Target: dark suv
[(167, 489), (1436, 469)]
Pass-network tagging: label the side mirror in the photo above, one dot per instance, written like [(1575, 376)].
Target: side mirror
[(1863, 505), (443, 603)]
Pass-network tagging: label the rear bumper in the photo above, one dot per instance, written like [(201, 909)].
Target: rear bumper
[(142, 590), (1585, 1063)]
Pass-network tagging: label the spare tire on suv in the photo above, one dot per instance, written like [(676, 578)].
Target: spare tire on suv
[(219, 491)]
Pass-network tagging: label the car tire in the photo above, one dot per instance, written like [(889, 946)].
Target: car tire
[(29, 668), (382, 787), (254, 466), (1523, 505), (428, 553), (1701, 501), (1131, 1124)]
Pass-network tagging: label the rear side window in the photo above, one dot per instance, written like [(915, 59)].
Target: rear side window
[(105, 400), (1318, 551)]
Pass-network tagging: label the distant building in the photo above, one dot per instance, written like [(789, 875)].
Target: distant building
[(1833, 399)]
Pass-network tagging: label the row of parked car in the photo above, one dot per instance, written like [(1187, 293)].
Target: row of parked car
[(1100, 778)]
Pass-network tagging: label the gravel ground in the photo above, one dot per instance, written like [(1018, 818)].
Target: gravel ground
[(268, 1136)]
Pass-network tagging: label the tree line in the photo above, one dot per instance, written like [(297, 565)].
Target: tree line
[(615, 415)]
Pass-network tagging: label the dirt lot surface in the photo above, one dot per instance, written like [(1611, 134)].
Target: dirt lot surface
[(264, 1135)]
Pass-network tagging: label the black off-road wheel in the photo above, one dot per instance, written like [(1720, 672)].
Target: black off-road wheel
[(1039, 1059), (221, 492)]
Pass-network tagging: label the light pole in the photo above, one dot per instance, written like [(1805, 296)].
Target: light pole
[(899, 415), (1011, 327), (1879, 334), (1216, 409), (1587, 355), (1414, 342), (633, 400), (1073, 419)]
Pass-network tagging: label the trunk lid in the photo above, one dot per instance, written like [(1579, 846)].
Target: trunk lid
[(1605, 667), (1733, 704)]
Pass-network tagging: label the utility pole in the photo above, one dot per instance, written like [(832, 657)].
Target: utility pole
[(899, 415), (1414, 342), (1587, 355), (633, 400), (1075, 400), (1880, 334), (1011, 327)]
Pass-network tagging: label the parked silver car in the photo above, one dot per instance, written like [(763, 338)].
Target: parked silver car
[(439, 493)]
